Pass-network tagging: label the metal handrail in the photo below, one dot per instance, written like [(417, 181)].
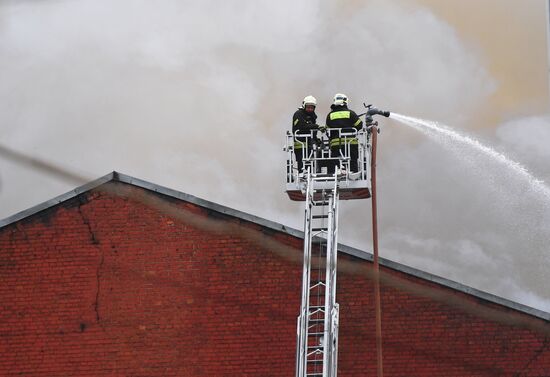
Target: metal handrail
[(319, 150)]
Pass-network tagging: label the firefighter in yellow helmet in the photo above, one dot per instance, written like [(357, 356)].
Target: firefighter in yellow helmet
[(304, 122), (342, 117)]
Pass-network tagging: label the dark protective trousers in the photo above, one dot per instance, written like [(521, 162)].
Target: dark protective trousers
[(339, 151), (299, 156)]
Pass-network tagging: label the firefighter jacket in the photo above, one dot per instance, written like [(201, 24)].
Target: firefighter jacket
[(347, 120), (304, 122)]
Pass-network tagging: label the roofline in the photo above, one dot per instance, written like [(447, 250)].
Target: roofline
[(119, 177), (58, 199)]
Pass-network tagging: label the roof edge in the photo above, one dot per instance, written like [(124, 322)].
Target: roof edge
[(58, 199), (119, 177)]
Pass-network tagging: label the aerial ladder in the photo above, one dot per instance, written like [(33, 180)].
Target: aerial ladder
[(318, 320)]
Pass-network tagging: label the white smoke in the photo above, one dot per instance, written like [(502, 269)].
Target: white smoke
[(197, 96), (528, 139), (481, 214)]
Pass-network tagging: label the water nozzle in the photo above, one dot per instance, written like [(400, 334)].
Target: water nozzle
[(375, 111)]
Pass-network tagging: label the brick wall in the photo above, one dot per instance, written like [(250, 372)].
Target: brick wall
[(121, 281)]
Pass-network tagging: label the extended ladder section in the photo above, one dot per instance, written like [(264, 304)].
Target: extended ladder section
[(325, 179), (317, 330)]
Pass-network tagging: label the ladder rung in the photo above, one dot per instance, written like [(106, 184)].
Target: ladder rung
[(320, 289), (316, 361), (319, 229), (316, 320), (316, 311), (317, 294), (316, 323), (316, 351), (319, 216), (315, 333), (318, 284)]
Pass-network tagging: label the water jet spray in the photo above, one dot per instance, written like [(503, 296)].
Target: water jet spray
[(445, 135)]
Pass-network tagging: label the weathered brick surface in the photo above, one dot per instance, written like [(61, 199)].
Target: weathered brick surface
[(125, 282)]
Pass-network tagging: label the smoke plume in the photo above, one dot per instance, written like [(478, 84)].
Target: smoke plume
[(197, 96)]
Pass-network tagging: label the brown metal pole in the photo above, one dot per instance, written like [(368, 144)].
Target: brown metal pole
[(376, 274)]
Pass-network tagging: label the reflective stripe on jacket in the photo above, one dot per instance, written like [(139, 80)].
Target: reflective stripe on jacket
[(340, 115), (338, 141), (345, 119)]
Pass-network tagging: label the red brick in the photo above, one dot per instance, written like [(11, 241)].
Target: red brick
[(126, 282)]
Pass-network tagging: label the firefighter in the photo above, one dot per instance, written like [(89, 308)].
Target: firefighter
[(342, 117), (305, 122)]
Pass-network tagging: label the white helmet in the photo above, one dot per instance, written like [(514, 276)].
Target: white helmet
[(340, 99), (309, 100)]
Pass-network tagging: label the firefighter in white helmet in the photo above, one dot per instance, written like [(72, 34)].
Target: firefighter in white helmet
[(342, 117), (304, 122)]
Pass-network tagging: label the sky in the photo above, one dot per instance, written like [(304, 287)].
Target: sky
[(197, 96)]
